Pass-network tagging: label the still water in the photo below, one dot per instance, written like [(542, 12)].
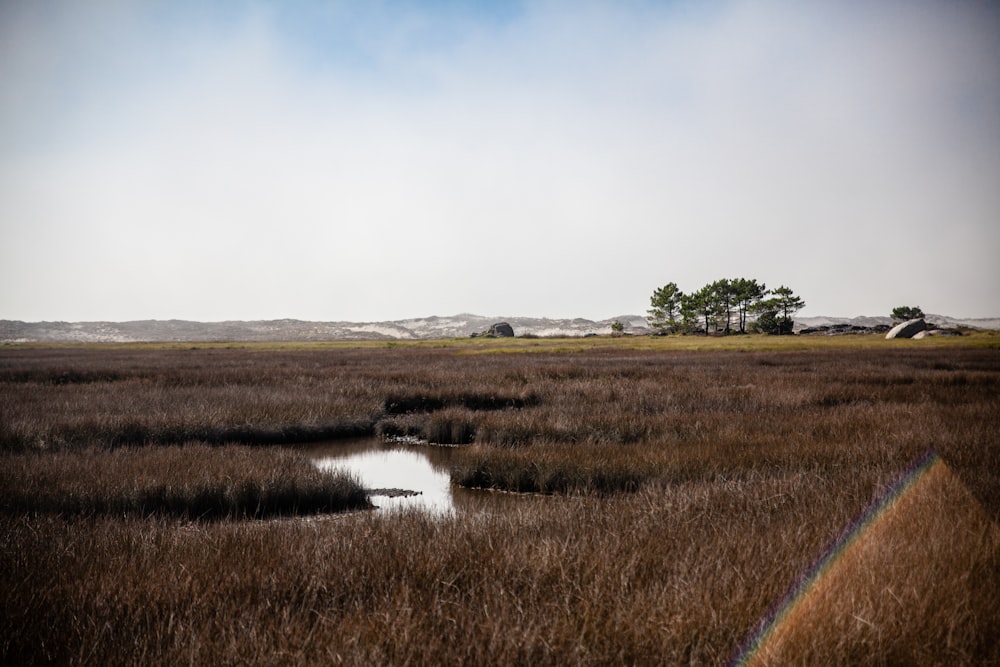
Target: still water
[(388, 468)]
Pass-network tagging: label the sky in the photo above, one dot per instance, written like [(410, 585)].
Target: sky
[(381, 160)]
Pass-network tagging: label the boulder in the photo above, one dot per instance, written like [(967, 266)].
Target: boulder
[(935, 332), (501, 330), (907, 329)]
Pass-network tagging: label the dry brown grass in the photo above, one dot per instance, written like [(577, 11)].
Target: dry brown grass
[(928, 566), (697, 488), (646, 578), (193, 481)]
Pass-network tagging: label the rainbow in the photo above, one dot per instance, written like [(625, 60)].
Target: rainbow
[(751, 648)]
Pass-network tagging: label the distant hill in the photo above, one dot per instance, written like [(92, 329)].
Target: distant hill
[(456, 326)]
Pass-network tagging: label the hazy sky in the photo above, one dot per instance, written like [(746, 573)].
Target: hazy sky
[(382, 160)]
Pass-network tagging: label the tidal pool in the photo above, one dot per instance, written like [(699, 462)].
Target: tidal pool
[(388, 468), (424, 469)]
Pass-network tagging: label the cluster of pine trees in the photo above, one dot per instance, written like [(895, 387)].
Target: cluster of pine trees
[(729, 305)]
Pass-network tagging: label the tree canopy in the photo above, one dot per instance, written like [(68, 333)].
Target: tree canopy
[(666, 307), (904, 313), (723, 306), (775, 314)]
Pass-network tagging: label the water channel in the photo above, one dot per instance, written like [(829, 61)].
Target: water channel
[(424, 469)]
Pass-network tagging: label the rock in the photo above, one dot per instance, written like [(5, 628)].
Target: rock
[(501, 330), (907, 329), (927, 333), (843, 330), (394, 493), (498, 330)]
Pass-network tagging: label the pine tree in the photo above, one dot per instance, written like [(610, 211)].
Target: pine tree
[(666, 307)]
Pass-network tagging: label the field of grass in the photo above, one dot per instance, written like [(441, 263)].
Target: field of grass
[(147, 515)]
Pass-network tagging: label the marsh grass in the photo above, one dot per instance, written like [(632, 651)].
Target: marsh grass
[(554, 469), (688, 491), (193, 481), (893, 585), (676, 575), (646, 578)]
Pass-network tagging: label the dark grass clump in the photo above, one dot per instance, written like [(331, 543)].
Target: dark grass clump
[(397, 404), (193, 481), (553, 469), (448, 426), (452, 426)]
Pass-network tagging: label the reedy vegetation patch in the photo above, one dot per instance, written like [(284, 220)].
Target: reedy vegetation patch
[(739, 468), (193, 481)]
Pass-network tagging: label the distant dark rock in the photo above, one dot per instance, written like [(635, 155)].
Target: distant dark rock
[(501, 330), (498, 330), (907, 329)]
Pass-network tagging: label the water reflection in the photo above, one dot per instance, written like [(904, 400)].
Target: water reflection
[(421, 468), (385, 466)]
